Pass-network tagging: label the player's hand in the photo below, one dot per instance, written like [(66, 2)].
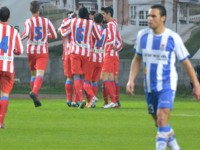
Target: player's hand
[(196, 92), (130, 88)]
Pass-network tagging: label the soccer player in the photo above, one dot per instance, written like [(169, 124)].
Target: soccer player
[(111, 60), (157, 47), (37, 29), (95, 62), (81, 29), (66, 60), (10, 44), (91, 14)]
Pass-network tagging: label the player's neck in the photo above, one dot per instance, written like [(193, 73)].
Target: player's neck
[(36, 14), (159, 30)]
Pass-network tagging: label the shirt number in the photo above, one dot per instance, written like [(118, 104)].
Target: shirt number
[(79, 34), (38, 33), (100, 42), (4, 44)]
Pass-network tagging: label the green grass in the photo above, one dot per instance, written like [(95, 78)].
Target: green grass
[(55, 126)]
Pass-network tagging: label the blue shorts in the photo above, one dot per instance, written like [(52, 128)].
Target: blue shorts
[(161, 99)]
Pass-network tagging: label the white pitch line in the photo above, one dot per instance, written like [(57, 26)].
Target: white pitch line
[(185, 115)]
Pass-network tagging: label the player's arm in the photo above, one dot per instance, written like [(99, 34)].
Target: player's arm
[(25, 33), (95, 32), (192, 75), (65, 28), (19, 47), (52, 32), (111, 39), (134, 69)]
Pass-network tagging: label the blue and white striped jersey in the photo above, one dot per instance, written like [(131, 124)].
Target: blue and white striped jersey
[(159, 54)]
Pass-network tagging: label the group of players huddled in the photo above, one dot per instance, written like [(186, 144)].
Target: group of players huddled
[(91, 43)]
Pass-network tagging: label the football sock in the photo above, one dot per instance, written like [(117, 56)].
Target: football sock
[(32, 81), (3, 108), (78, 87), (95, 87), (162, 137), (37, 84), (109, 87), (105, 95), (69, 89), (117, 90), (88, 88), (172, 142)]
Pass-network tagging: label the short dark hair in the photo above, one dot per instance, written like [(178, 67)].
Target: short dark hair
[(34, 6), (92, 12), (83, 13), (107, 10), (161, 8), (4, 14), (98, 18)]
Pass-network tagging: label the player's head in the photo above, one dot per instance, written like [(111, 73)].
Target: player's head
[(83, 13), (107, 13), (4, 14), (98, 18), (34, 7), (156, 16), (91, 14), (71, 14)]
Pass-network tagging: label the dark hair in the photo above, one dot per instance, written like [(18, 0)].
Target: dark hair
[(4, 14), (107, 10), (92, 12), (69, 12), (34, 6), (161, 8), (83, 13), (98, 18)]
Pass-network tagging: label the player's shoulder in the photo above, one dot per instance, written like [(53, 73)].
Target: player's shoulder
[(144, 31), (172, 34)]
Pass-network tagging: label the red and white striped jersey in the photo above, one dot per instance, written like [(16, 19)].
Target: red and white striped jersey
[(81, 30), (38, 29), (66, 40), (114, 39), (10, 44), (98, 46)]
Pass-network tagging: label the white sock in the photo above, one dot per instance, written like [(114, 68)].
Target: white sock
[(172, 142)]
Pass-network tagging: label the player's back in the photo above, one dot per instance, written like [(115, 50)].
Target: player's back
[(10, 43)]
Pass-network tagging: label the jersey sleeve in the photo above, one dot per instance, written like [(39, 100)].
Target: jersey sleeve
[(52, 32), (26, 31), (95, 32), (137, 46), (65, 28), (18, 47), (180, 49)]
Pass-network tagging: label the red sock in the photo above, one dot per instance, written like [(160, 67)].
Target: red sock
[(78, 89), (117, 90), (69, 90), (105, 95), (110, 90), (95, 88), (32, 82), (3, 110), (37, 84), (88, 88)]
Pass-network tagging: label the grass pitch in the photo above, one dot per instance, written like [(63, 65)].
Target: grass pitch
[(55, 126)]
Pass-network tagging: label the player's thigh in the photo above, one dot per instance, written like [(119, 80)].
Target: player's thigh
[(67, 67), (166, 99), (97, 72), (108, 65), (76, 64), (6, 81), (41, 62)]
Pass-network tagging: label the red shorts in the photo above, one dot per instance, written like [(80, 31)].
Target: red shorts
[(67, 66), (78, 64), (111, 65), (93, 71), (38, 61), (6, 81)]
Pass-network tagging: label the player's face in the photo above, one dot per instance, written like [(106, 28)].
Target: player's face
[(155, 20), (105, 16), (91, 17)]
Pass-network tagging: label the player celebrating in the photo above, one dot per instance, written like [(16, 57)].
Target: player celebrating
[(66, 60), (111, 60), (158, 47), (37, 29), (81, 29), (10, 44)]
